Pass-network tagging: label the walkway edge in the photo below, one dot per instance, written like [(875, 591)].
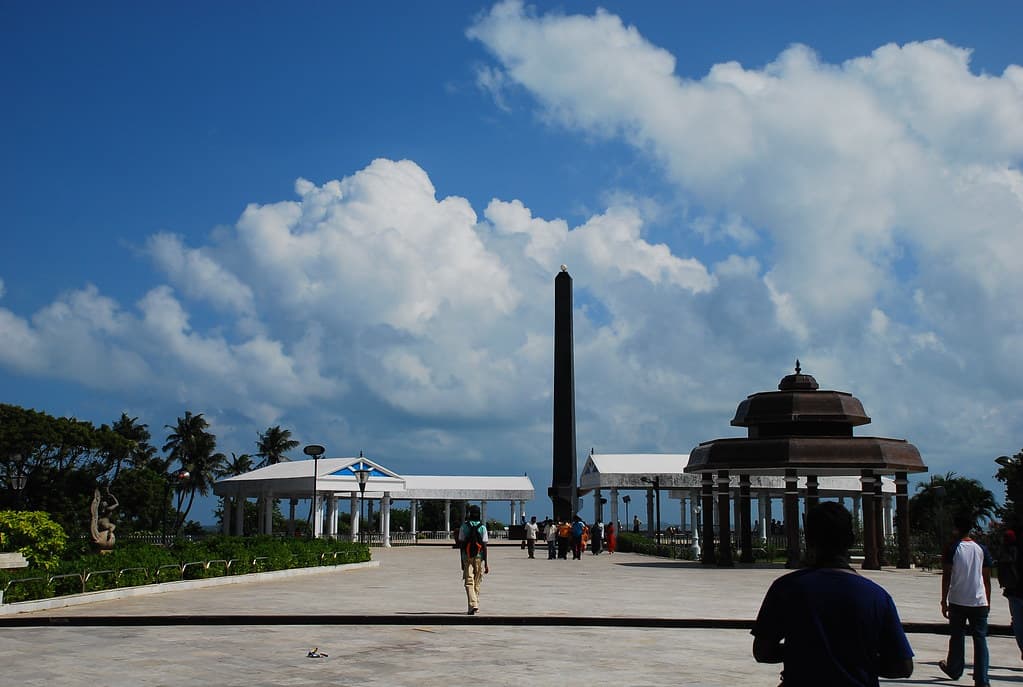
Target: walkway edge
[(182, 585)]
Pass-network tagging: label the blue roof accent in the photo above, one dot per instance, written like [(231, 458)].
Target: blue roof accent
[(350, 470)]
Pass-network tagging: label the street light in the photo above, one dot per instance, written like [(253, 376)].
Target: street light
[(314, 450), (1006, 461), (170, 480), (656, 481), (362, 475), (627, 500)]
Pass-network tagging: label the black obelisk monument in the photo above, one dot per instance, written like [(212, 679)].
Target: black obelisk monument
[(563, 476)]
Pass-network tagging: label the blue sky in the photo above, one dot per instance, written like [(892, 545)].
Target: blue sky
[(346, 219)]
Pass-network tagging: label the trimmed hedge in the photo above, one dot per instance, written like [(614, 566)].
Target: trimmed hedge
[(136, 564)]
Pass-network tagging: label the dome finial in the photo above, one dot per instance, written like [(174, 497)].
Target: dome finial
[(798, 369)]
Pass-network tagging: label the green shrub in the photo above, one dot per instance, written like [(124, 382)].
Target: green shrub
[(137, 563), (34, 535)]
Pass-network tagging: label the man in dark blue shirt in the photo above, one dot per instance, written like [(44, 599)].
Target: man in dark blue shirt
[(827, 624)]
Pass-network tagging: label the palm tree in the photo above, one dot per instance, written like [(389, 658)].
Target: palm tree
[(142, 453), (195, 449), (273, 444)]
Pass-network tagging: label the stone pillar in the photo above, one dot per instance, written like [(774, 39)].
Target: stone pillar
[(447, 516), (614, 507), (650, 512), (791, 509), (707, 496), (736, 514), (413, 515), (597, 515), (769, 510), (353, 515), (385, 518), (268, 514), (812, 492), (682, 512), (879, 521), (724, 528), (511, 513), (745, 535), (870, 554), (483, 512), (902, 518), (522, 511), (239, 515), (763, 500), (889, 516), (291, 517), (857, 514)]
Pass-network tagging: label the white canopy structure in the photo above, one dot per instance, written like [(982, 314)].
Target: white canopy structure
[(326, 481), (623, 471)]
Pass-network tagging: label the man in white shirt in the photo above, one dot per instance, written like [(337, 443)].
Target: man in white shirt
[(966, 600), (531, 529)]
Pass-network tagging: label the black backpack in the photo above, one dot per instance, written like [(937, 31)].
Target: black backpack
[(474, 541)]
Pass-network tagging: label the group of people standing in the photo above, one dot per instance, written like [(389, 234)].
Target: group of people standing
[(576, 536)]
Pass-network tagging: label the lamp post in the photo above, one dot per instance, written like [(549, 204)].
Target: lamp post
[(170, 480), (18, 482), (656, 482), (626, 500), (362, 475), (314, 450)]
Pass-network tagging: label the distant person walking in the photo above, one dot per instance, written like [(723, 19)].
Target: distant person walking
[(1011, 582), (472, 540), (564, 538), (635, 524), (825, 623), (550, 533), (597, 538), (612, 538), (531, 530), (966, 601), (578, 526)]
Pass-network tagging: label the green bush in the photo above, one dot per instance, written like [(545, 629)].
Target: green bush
[(34, 535)]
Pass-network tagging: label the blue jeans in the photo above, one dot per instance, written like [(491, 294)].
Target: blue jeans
[(1016, 611), (550, 549), (976, 617)]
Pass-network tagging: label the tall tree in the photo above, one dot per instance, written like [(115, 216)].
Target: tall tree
[(195, 448), (273, 444), (939, 500)]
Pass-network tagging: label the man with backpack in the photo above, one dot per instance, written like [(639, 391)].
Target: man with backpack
[(472, 541), (1009, 581)]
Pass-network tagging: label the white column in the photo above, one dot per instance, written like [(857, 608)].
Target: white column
[(317, 516), (614, 505), (889, 529), (511, 513), (353, 515), (483, 512), (857, 516), (385, 518), (239, 515), (447, 516), (414, 508), (268, 514), (522, 511), (694, 516), (332, 515), (225, 518), (762, 499)]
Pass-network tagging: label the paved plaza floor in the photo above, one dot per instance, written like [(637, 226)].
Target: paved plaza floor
[(425, 581)]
